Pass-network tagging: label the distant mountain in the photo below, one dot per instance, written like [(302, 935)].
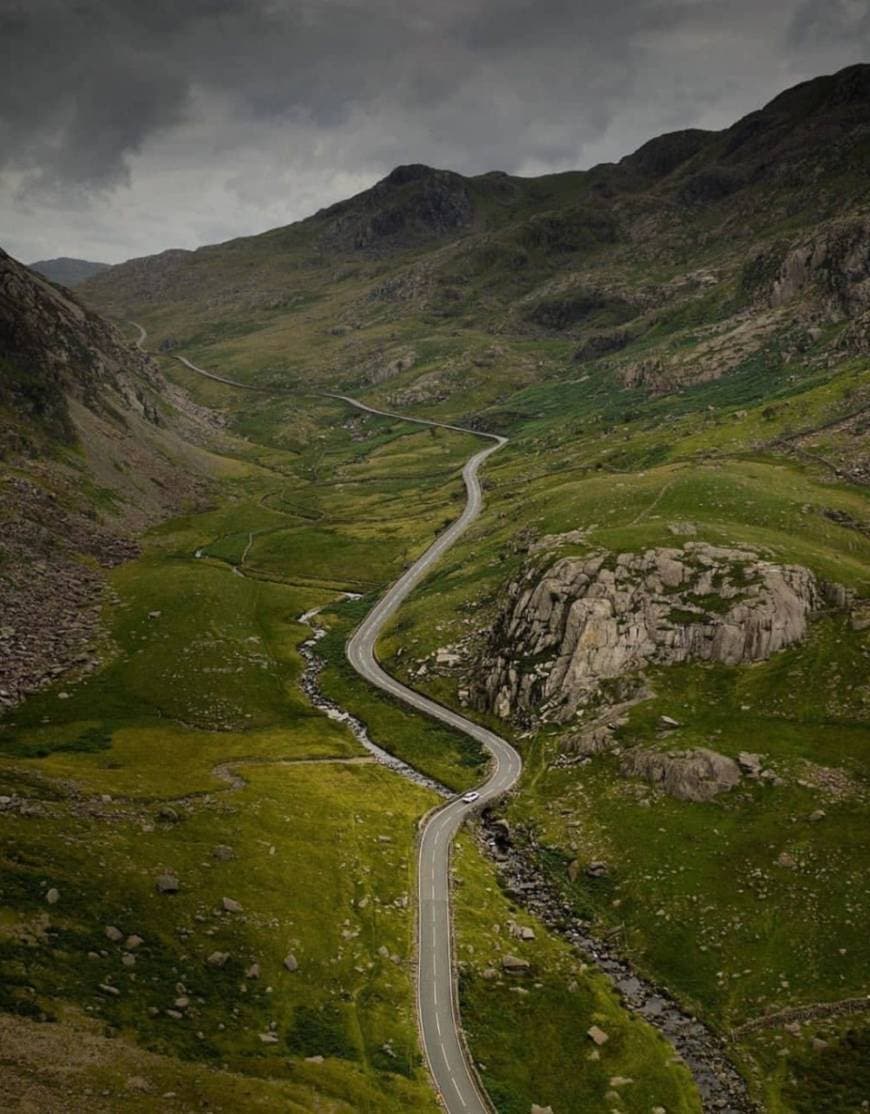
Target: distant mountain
[(68, 272), (646, 266)]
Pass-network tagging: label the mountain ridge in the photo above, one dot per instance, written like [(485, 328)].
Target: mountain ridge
[(66, 270)]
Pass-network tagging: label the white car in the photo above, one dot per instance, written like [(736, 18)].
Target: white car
[(470, 798)]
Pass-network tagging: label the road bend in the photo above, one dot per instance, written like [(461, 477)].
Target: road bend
[(437, 1004)]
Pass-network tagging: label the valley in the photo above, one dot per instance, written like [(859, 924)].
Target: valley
[(651, 602)]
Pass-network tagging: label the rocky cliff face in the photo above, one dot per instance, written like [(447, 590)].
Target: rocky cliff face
[(565, 629), (54, 351), (832, 266)]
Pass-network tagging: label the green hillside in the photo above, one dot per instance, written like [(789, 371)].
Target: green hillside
[(677, 346)]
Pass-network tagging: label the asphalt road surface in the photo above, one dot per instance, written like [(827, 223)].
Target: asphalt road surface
[(437, 1007), (436, 986)]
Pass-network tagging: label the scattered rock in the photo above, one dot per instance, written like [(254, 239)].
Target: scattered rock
[(750, 763), (223, 853), (217, 959), (114, 934), (166, 884), (253, 972), (138, 1084), (669, 723), (53, 896), (230, 905), (290, 962), (514, 965), (597, 1036), (133, 941), (818, 815), (597, 870)]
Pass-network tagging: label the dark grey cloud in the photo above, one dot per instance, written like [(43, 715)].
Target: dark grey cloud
[(130, 125)]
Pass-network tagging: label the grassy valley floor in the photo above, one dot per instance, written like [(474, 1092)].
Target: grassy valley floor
[(207, 884)]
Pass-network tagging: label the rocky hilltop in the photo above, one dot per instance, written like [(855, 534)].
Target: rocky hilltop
[(566, 629)]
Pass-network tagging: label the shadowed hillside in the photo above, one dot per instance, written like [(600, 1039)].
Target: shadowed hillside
[(94, 445)]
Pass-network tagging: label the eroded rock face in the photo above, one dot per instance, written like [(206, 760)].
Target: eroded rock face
[(565, 629), (835, 264)]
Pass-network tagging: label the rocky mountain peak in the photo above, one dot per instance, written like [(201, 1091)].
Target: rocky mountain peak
[(413, 204)]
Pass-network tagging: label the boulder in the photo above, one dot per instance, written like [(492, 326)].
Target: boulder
[(750, 763), (597, 1036), (166, 884), (217, 959), (513, 965), (290, 962), (689, 775), (230, 905)]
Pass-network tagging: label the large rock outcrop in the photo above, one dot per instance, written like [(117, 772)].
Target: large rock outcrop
[(833, 266), (565, 629)]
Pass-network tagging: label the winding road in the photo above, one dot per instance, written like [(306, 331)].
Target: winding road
[(437, 1006)]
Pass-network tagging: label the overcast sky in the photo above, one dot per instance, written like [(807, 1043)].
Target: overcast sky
[(130, 126)]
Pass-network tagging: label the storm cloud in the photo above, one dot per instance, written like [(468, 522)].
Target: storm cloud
[(127, 127)]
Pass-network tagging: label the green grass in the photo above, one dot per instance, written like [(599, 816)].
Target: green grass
[(314, 499), (323, 865), (195, 733), (528, 1035), (455, 760)]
